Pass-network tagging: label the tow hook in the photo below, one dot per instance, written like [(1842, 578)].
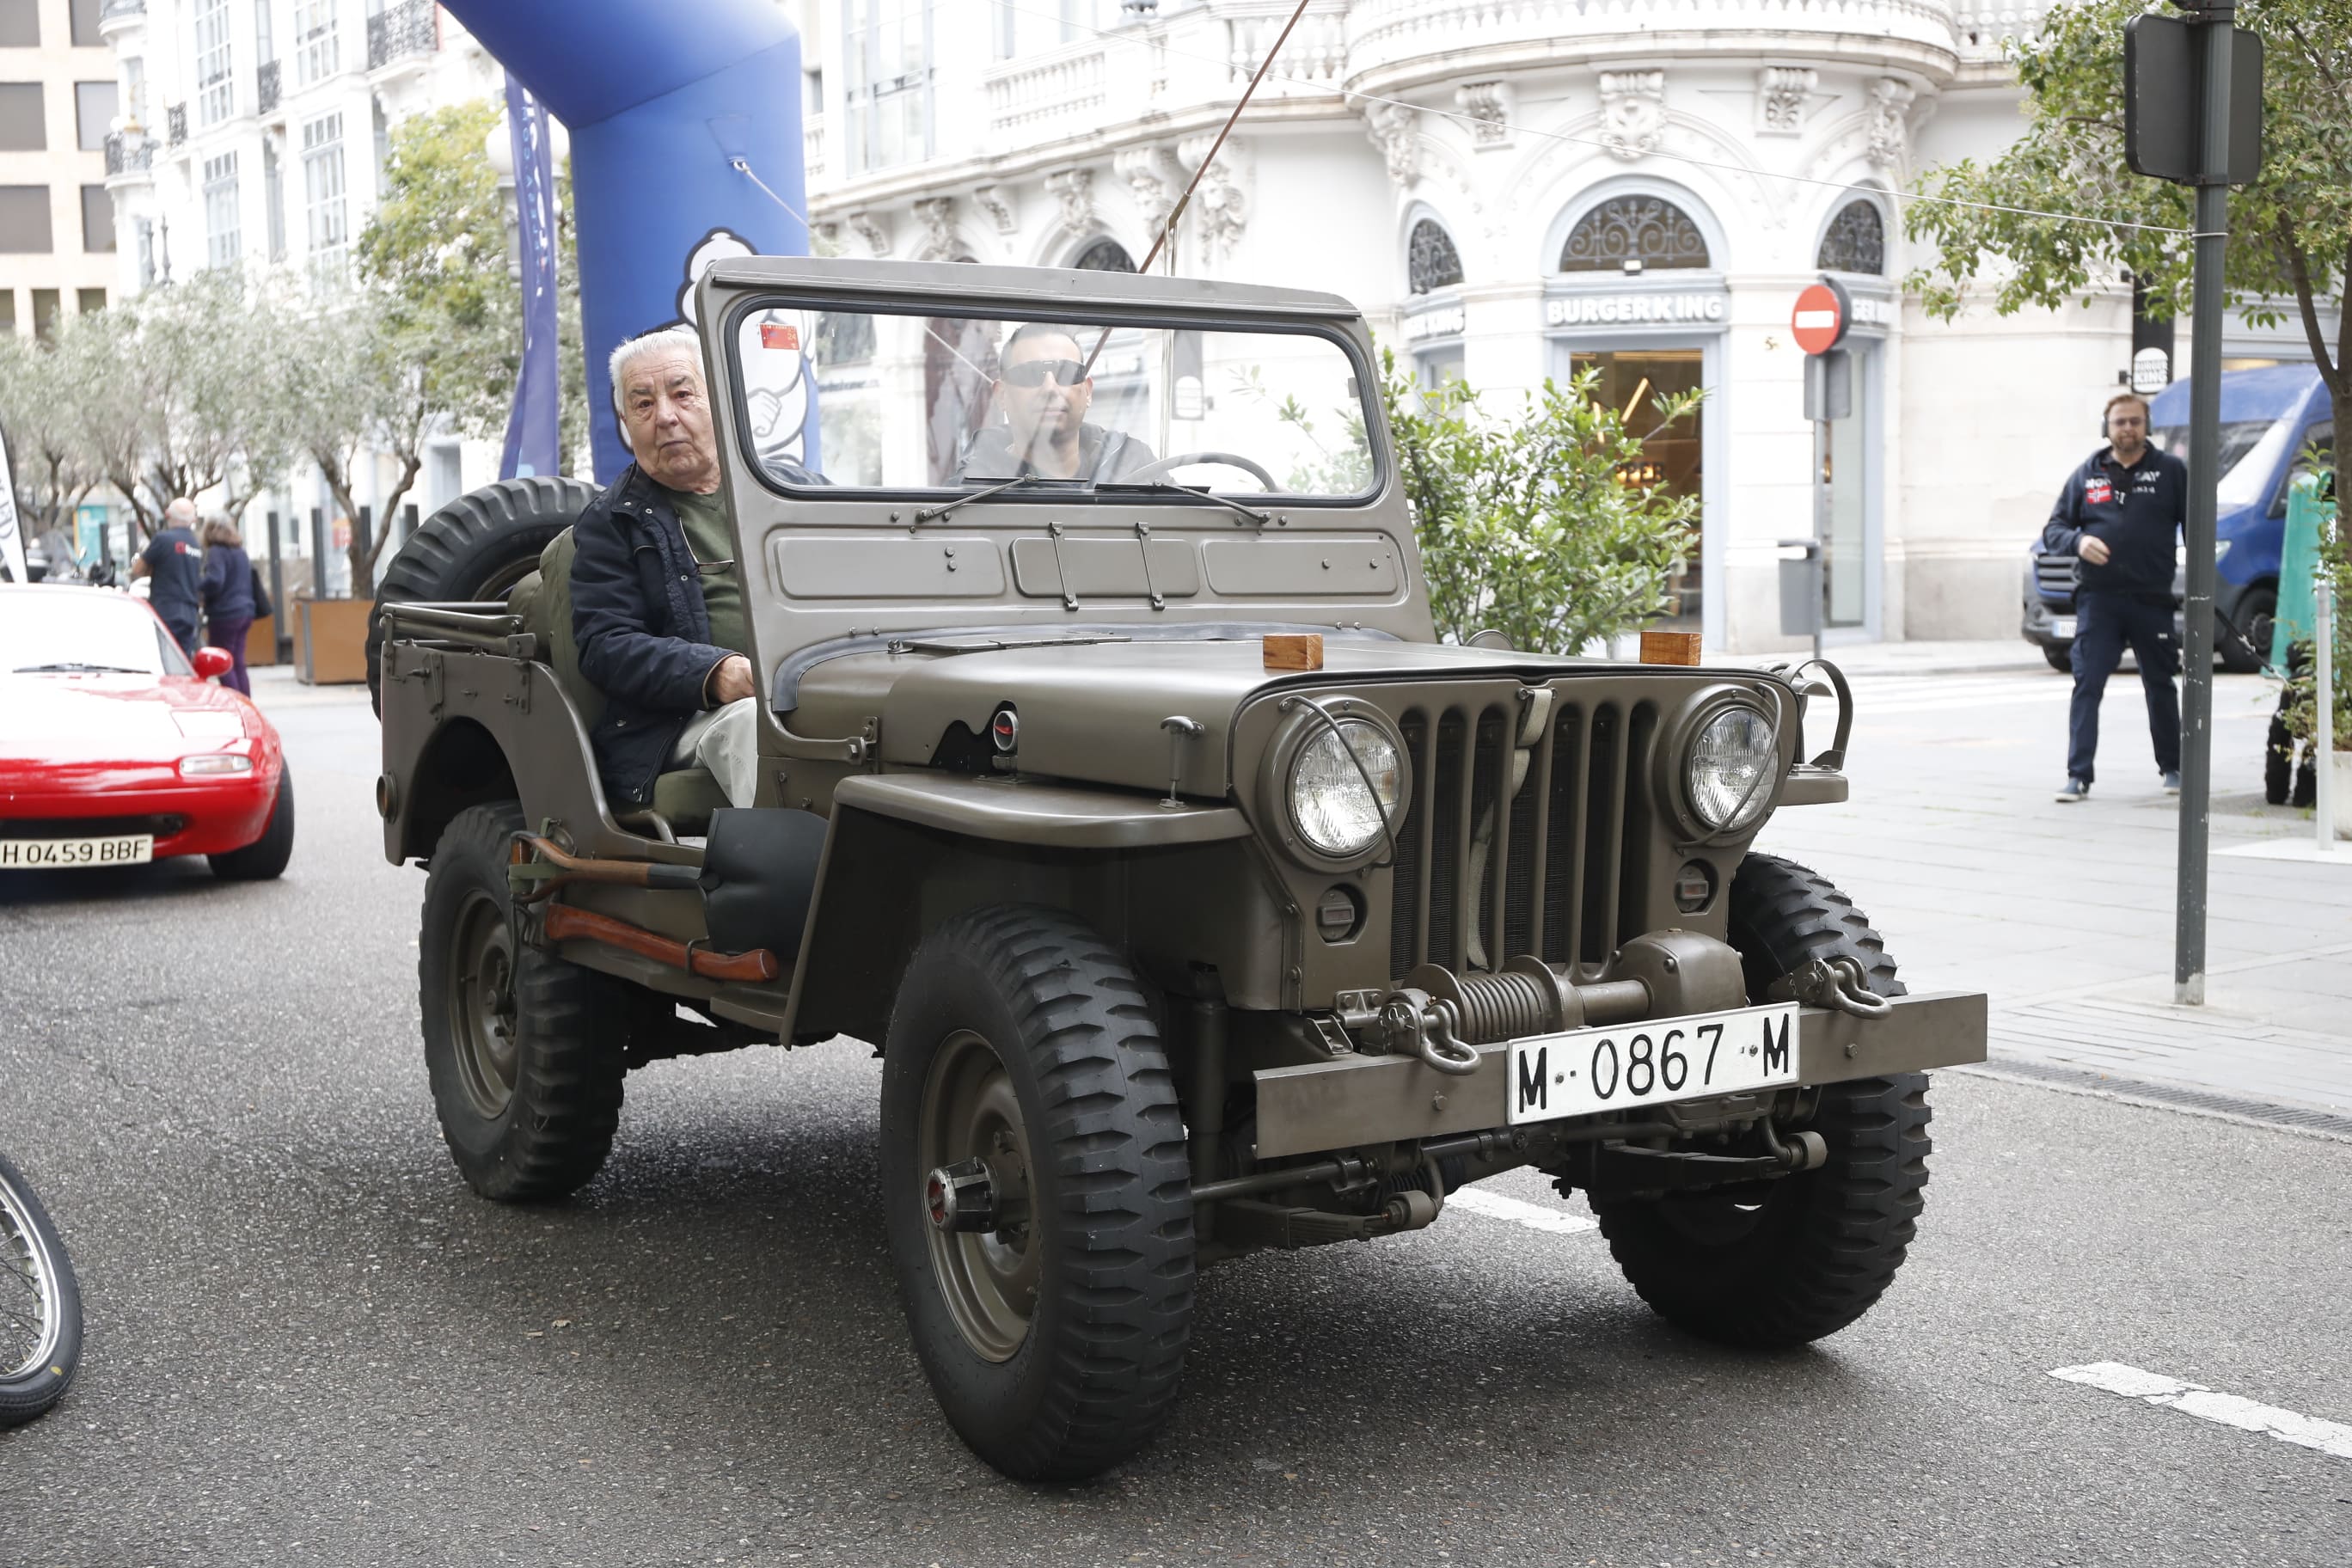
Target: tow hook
[(1414, 1023), (1836, 982), (961, 1197)]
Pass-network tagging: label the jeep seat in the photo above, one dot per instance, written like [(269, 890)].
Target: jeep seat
[(685, 799)]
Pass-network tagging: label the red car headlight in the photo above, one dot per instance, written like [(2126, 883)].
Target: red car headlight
[(213, 763)]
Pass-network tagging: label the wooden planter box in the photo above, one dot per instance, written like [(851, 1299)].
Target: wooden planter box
[(262, 642), (331, 640)]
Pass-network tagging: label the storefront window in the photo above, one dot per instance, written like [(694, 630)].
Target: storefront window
[(1633, 382), (1856, 241), (1634, 234)]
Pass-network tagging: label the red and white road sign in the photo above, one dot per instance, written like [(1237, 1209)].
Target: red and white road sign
[(1819, 318)]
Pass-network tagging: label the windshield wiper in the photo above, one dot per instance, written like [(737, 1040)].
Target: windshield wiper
[(81, 670), (945, 507), (1251, 512)]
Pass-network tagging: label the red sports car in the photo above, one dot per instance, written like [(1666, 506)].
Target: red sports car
[(114, 751)]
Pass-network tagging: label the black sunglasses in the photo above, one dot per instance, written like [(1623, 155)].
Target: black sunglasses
[(1034, 372)]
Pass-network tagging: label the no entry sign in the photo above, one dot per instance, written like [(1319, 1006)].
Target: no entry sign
[(1819, 318)]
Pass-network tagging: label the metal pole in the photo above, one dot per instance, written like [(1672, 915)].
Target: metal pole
[(281, 614), (2323, 762), (1817, 562), (2214, 32)]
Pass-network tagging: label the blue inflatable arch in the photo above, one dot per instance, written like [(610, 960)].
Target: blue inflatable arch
[(660, 101)]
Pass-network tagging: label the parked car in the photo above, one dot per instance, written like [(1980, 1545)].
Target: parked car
[(116, 748), (2271, 420)]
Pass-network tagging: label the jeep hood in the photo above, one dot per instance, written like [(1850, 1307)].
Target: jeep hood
[(1093, 711)]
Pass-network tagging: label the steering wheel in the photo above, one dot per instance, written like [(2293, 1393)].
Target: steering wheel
[(1230, 459)]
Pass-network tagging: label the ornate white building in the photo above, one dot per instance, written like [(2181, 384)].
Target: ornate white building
[(1515, 189)]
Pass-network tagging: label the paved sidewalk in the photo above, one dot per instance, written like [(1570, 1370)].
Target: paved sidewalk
[(2064, 914)]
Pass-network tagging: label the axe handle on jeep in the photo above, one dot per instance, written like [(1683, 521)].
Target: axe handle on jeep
[(565, 924)]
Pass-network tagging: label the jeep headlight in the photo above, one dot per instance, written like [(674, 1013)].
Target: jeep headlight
[(1726, 773), (1337, 804)]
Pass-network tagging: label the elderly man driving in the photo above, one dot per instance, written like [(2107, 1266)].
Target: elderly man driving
[(657, 601), (1044, 393)]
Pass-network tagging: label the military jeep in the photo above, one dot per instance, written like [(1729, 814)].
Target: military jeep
[(1197, 898)]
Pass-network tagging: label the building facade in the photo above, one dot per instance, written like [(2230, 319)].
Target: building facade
[(1520, 191), (57, 98), (254, 134)]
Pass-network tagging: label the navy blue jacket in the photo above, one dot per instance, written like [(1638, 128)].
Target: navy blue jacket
[(175, 572), (642, 628), (2138, 512), (228, 584)]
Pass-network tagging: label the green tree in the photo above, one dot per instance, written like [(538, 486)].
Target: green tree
[(427, 342), (2290, 231), (1529, 525), (51, 464)]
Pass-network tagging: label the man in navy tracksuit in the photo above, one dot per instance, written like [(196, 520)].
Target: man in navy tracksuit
[(2120, 515)]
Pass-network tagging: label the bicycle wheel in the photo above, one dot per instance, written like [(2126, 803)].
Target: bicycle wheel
[(41, 1305)]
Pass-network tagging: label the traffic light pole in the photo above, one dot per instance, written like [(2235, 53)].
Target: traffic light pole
[(2214, 33)]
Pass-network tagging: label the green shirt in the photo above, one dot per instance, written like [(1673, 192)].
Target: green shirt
[(704, 518)]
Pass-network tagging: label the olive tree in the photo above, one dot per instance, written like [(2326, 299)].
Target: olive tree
[(2290, 248), (52, 466)]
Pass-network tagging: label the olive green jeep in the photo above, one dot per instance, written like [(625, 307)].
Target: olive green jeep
[(1197, 899)]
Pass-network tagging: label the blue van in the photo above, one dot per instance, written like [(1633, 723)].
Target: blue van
[(2270, 419)]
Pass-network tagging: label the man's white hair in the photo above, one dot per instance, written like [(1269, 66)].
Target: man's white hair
[(662, 339), (181, 512)]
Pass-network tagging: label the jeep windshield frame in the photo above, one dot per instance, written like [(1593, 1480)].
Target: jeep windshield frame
[(725, 348)]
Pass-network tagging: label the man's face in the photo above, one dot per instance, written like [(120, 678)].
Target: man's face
[(1044, 399), (667, 415), (2127, 429)]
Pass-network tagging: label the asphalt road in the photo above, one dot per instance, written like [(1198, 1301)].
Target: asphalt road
[(309, 1344)]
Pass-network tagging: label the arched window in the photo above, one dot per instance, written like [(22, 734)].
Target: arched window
[(1430, 260), (1104, 256), (1856, 241), (1634, 234)]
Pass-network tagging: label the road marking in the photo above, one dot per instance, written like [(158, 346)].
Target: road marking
[(1535, 1217), (2227, 1409)]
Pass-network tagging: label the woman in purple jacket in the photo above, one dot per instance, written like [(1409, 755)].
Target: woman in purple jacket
[(228, 596)]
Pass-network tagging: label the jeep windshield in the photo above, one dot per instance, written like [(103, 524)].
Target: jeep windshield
[(952, 404)]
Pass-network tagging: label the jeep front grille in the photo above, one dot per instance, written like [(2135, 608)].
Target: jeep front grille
[(1559, 873)]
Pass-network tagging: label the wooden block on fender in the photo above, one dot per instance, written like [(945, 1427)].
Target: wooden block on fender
[(1669, 647), (1294, 651)]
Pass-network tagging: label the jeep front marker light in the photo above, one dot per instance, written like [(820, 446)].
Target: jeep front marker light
[(1727, 775), (1329, 804)]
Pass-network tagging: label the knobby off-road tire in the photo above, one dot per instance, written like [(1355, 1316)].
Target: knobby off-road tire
[(475, 548), (266, 856), (2061, 659), (1054, 1348), (1788, 1261), (526, 1052), (41, 1305)]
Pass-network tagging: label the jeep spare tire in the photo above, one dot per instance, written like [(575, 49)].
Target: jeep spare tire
[(476, 547)]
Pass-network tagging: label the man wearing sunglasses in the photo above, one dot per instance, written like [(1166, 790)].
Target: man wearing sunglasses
[(1042, 392)]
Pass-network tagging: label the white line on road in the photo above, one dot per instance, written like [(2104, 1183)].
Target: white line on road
[(1535, 1217), (2228, 1409)]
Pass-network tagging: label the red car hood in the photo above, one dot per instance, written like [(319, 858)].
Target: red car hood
[(67, 730)]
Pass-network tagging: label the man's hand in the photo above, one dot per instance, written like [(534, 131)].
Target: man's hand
[(731, 680), (2091, 549)]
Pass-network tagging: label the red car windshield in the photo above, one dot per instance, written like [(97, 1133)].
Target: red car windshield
[(46, 631)]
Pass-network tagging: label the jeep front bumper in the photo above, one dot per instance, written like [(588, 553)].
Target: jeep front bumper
[(1356, 1100)]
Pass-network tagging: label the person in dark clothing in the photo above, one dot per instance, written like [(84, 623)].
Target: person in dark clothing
[(2120, 516), (175, 562), (1042, 392), (656, 603), (228, 596)]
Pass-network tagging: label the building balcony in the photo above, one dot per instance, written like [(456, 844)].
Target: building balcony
[(1035, 99), (267, 87), (1985, 28), (119, 17), (1395, 43), (408, 31), (130, 155)]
